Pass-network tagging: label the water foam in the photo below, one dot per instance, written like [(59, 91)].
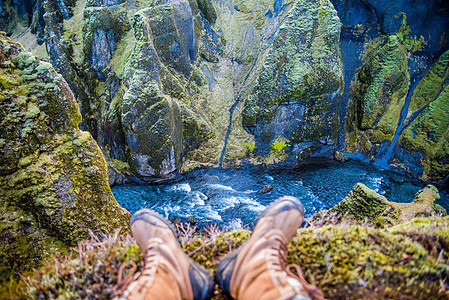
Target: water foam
[(221, 187), (181, 187)]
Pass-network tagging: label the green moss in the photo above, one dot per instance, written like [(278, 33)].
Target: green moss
[(120, 165), (428, 134), (279, 145), (361, 203), (53, 187), (350, 262), (304, 71), (430, 85), (250, 146), (411, 43), (364, 204), (377, 95), (123, 51), (354, 262)]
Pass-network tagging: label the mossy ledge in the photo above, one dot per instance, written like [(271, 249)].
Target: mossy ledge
[(53, 178), (345, 261), (364, 204)]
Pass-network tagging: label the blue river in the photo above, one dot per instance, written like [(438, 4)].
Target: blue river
[(229, 197)]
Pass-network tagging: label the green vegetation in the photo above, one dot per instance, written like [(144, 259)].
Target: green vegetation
[(426, 133), (365, 205), (54, 184), (278, 146), (304, 58), (377, 95), (411, 43), (355, 262), (429, 134), (73, 32), (345, 261), (431, 84), (250, 146)]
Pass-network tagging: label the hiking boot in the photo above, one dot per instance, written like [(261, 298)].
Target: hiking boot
[(256, 270), (167, 272)]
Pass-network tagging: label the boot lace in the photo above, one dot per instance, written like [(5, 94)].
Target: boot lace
[(279, 260), (314, 292), (123, 282), (148, 267)]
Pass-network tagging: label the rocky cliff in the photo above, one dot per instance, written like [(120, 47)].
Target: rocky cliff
[(167, 86), (53, 177), (394, 123), (390, 116)]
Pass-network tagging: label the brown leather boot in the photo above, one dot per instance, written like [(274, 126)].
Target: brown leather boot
[(167, 272), (256, 270)]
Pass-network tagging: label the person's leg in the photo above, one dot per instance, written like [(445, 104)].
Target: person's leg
[(167, 272), (256, 270)]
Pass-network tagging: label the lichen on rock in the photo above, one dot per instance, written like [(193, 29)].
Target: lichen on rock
[(54, 181), (377, 95), (299, 80), (355, 262), (364, 204), (423, 147), (156, 81)]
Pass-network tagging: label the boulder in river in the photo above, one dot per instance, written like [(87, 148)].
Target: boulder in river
[(265, 189)]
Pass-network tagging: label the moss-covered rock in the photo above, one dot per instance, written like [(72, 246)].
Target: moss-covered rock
[(377, 96), (54, 181), (297, 89), (364, 204), (367, 18), (423, 147), (156, 81), (346, 262), (354, 262)]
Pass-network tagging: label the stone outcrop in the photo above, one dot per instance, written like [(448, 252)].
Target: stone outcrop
[(297, 92), (265, 189), (369, 17), (363, 203), (422, 40), (390, 122), (423, 147), (53, 177), (377, 95)]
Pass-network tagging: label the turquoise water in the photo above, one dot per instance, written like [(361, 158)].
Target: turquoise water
[(229, 198)]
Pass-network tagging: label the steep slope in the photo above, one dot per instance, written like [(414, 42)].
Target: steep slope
[(165, 86), (53, 177)]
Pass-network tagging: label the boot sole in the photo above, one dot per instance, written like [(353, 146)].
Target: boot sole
[(202, 288)]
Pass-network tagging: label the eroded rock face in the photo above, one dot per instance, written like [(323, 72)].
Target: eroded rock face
[(392, 122), (364, 203), (297, 91), (159, 82), (423, 147), (360, 17), (377, 95), (53, 183), (162, 85)]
